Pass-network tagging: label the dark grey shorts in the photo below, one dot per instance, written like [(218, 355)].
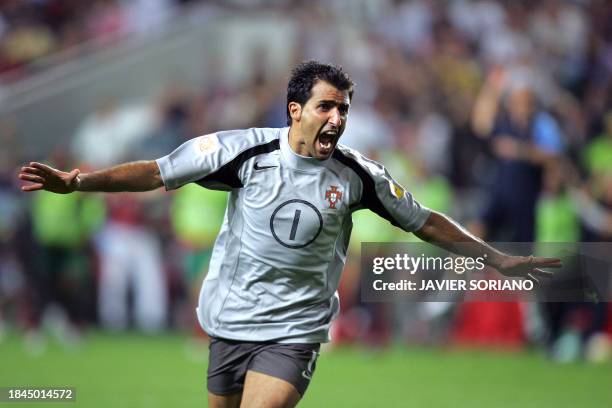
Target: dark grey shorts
[(230, 360)]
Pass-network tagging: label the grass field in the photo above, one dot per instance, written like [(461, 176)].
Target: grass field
[(134, 371)]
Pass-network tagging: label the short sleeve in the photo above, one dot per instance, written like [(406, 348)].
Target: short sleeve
[(383, 195), (547, 135), (212, 160)]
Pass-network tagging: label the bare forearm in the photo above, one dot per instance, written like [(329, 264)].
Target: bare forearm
[(537, 156), (134, 176), (442, 231), (485, 111)]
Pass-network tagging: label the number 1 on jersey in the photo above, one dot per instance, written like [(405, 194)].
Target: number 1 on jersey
[(296, 220)]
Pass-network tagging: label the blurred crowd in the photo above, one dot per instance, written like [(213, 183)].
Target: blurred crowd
[(31, 30), (497, 113)]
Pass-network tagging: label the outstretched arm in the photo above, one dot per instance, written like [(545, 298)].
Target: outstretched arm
[(134, 176), (447, 234)]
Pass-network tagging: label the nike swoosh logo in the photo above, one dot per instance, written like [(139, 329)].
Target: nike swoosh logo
[(258, 167)]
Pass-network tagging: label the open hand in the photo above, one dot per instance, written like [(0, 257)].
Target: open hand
[(528, 267), (43, 177)]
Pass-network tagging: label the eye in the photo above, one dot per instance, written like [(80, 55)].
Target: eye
[(343, 109), (325, 106)]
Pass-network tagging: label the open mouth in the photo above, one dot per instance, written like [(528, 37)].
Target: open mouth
[(327, 141)]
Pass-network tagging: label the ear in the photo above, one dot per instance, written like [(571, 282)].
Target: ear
[(295, 111)]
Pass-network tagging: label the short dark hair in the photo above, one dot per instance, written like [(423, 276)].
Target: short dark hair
[(305, 76)]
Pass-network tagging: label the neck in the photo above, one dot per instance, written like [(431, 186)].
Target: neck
[(296, 142)]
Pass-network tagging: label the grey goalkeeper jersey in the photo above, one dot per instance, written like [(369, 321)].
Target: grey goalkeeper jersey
[(277, 261)]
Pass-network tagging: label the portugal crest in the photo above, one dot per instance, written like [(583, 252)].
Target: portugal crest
[(333, 196)]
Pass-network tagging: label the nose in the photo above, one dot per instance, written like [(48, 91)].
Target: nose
[(335, 118)]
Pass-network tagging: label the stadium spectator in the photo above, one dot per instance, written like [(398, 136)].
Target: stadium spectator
[(62, 228), (525, 141), (196, 216), (111, 132), (131, 262)]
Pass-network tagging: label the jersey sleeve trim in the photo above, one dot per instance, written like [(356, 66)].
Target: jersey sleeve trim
[(227, 174), (369, 197)]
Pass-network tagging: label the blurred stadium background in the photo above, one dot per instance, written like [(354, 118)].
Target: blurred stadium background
[(97, 291)]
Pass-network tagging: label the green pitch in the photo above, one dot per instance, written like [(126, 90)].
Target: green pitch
[(135, 371)]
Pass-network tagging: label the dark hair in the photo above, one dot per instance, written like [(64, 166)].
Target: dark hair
[(305, 76)]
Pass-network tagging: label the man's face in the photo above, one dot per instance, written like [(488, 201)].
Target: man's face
[(319, 123)]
